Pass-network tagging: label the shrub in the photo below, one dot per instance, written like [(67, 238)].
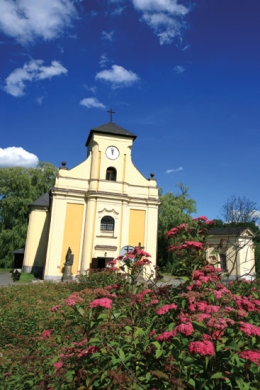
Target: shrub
[(131, 335)]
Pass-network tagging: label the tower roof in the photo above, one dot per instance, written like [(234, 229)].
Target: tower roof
[(112, 129), (42, 201)]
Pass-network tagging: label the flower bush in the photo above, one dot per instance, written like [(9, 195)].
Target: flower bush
[(115, 330)]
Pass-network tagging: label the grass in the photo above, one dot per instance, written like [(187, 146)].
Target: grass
[(5, 269), (26, 278)]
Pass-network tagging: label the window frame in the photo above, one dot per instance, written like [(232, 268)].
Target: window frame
[(111, 174), (107, 225)]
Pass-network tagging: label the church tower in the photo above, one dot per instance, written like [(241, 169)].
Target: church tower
[(99, 209)]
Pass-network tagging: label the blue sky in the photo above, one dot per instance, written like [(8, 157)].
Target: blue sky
[(181, 75)]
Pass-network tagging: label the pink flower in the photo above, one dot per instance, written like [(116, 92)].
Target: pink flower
[(113, 269), (102, 302), (112, 262), (186, 329), (55, 308), (73, 299), (249, 329), (210, 222), (58, 365), (202, 218), (194, 244), (253, 356), (203, 348), (165, 336), (197, 274), (164, 309), (46, 333), (171, 232)]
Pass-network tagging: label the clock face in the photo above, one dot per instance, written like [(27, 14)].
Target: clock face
[(112, 152)]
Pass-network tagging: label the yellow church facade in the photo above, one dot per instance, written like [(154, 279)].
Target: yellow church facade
[(99, 209)]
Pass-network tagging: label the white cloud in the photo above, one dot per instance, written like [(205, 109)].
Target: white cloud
[(174, 170), (31, 71), (170, 6), (17, 157), (179, 69), (39, 100), (118, 76), (117, 11), (107, 35), (165, 17), (104, 60), (26, 20), (91, 103)]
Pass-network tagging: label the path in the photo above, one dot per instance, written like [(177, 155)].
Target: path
[(5, 279)]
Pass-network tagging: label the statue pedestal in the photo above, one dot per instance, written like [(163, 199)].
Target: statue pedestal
[(67, 275)]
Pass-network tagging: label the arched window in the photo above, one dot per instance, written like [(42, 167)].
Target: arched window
[(107, 223), (111, 174)]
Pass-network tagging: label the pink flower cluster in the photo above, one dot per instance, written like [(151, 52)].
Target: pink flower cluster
[(55, 308), (203, 348), (253, 356), (141, 263), (246, 304), (164, 309), (112, 262), (102, 302), (139, 297), (73, 299), (186, 329), (176, 230), (249, 329), (58, 365), (188, 245), (204, 219), (113, 286), (46, 333)]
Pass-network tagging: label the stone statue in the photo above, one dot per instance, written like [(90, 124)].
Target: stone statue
[(69, 257)]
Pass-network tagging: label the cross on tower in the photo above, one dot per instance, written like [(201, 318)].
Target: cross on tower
[(111, 112)]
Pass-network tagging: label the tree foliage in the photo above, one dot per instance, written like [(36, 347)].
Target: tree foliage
[(19, 187), (239, 209), (174, 209)]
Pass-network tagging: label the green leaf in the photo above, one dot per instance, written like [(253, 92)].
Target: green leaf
[(192, 382), (80, 310), (233, 345), (242, 385), (139, 331), (199, 325), (217, 375), (122, 355), (158, 353)]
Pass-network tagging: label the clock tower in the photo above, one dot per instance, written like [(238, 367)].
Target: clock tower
[(98, 208)]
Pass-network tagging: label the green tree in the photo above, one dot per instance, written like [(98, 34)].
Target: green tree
[(19, 187), (174, 210)]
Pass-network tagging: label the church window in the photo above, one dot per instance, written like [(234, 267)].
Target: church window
[(111, 174), (107, 223)]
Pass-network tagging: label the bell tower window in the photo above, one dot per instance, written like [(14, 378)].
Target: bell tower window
[(111, 174), (107, 223)]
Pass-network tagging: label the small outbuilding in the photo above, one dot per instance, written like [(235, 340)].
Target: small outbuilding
[(232, 248)]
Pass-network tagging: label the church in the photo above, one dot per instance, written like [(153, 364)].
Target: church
[(98, 210)]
